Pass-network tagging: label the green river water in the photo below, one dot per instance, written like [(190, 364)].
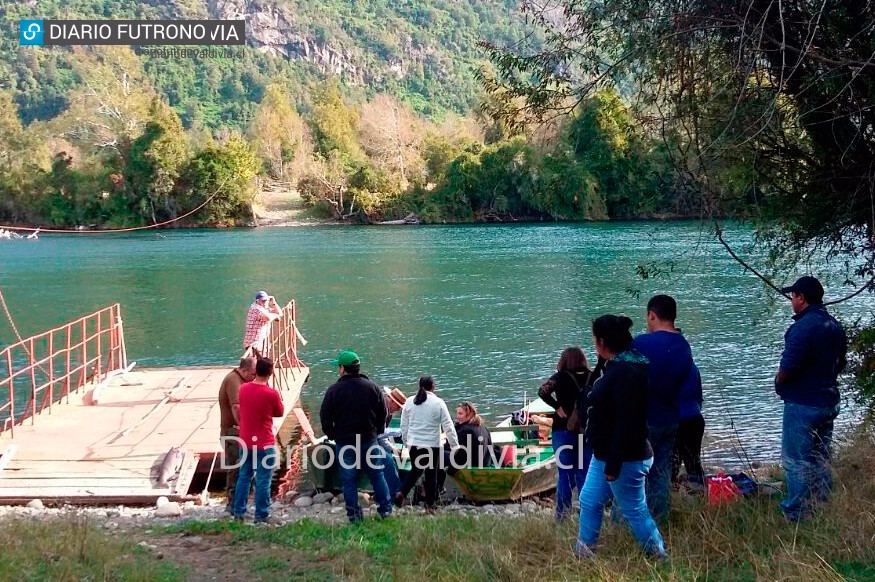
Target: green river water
[(485, 309)]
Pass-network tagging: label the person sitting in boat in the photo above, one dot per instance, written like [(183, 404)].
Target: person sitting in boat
[(475, 441), (422, 420), (616, 428), (561, 391), (545, 426)]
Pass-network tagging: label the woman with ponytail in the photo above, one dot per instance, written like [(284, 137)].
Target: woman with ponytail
[(617, 432), (422, 420)]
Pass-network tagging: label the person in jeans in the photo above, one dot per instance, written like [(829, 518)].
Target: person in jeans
[(229, 423), (352, 414), (395, 400), (616, 430), (815, 349), (671, 363), (422, 420), (561, 391), (259, 404)]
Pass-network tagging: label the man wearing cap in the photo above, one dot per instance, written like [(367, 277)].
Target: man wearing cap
[(353, 414), (262, 311), (807, 380)]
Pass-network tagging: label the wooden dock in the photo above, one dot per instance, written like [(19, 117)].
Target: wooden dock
[(110, 452), (78, 424)]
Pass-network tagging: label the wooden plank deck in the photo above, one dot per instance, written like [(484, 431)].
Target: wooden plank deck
[(111, 452)]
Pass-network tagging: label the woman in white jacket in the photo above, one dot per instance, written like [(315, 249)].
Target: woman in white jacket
[(422, 419)]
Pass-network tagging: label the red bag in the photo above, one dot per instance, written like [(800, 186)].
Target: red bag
[(721, 489)]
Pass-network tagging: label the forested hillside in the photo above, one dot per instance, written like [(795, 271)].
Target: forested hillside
[(371, 110), (422, 51)]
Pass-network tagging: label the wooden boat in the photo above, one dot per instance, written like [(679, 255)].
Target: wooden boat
[(529, 466), (531, 470)]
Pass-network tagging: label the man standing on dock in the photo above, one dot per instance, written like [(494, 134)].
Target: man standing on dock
[(261, 313), (229, 408), (815, 349), (353, 414), (259, 404)]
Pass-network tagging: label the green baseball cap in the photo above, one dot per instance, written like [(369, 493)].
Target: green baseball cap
[(346, 358)]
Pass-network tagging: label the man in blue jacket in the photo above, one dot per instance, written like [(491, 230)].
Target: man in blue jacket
[(671, 364), (815, 347)]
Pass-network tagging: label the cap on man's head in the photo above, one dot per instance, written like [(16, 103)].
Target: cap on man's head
[(262, 295), (808, 287), (346, 358)]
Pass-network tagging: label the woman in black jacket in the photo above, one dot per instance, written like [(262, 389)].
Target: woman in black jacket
[(561, 392), (617, 432)]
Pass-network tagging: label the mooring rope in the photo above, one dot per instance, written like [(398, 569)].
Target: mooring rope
[(117, 230), (9, 317)]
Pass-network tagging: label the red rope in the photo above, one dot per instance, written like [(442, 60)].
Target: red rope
[(114, 230)]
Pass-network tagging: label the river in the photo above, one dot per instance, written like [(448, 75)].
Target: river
[(485, 309)]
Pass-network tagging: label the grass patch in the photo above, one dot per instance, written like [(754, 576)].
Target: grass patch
[(74, 549), (748, 540), (744, 541)]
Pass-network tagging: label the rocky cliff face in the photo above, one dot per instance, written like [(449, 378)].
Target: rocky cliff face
[(272, 29)]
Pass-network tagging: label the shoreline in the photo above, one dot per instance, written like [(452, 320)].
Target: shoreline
[(317, 222)]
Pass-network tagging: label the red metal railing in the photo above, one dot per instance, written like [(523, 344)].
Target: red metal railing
[(282, 343), (46, 368)]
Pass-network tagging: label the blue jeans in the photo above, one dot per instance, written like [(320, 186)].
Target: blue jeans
[(662, 439), (805, 441), (390, 469), (367, 456), (628, 492), (260, 463), (572, 461)]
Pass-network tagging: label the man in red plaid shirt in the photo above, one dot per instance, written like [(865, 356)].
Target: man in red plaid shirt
[(262, 311)]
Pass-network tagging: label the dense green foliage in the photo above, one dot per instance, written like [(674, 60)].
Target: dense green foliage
[(755, 103), (764, 108)]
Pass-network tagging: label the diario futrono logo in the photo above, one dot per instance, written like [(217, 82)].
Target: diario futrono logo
[(30, 32)]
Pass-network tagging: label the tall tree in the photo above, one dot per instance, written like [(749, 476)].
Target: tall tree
[(156, 159), (279, 134), (391, 135), (222, 176), (335, 123)]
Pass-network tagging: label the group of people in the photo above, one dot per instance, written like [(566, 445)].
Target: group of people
[(643, 416), (355, 414), (247, 407), (620, 430)]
